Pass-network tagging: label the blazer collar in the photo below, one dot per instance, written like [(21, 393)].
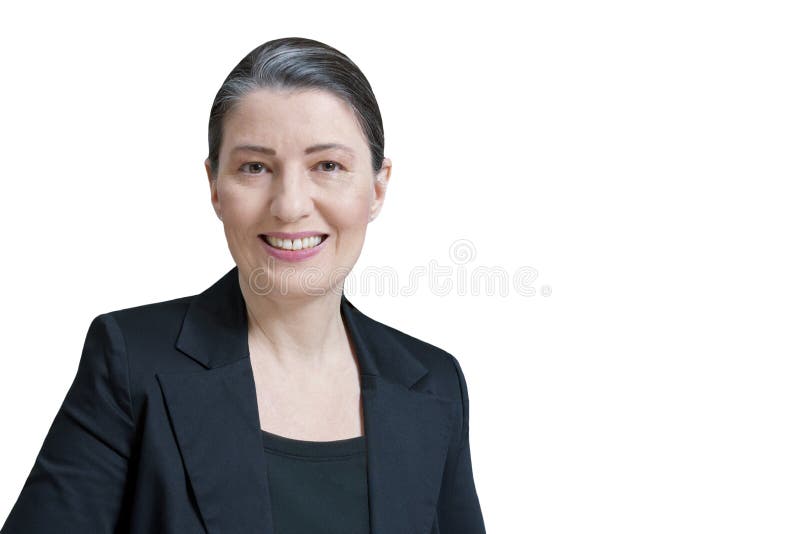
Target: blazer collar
[(214, 415), (214, 333)]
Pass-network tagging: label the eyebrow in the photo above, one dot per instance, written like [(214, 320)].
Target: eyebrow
[(309, 150)]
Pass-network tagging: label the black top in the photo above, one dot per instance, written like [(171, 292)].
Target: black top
[(317, 486)]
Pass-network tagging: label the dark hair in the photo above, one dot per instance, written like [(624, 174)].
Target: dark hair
[(298, 63)]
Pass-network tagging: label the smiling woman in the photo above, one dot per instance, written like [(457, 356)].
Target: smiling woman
[(268, 403), (294, 164)]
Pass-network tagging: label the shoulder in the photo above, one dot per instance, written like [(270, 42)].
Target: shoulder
[(145, 337), (445, 377), (152, 314), (146, 325), (139, 324)]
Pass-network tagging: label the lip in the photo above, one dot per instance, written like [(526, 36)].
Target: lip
[(292, 255), (294, 235)]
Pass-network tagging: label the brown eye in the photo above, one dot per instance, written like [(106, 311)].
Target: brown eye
[(252, 167), (330, 166)]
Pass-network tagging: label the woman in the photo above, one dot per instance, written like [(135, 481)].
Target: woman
[(267, 403)]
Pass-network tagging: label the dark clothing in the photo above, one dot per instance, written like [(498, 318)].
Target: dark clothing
[(160, 430), (317, 487)]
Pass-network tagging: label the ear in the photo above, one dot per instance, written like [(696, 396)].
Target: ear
[(380, 183), (212, 183)]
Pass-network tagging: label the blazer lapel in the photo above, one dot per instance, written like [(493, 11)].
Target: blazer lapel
[(408, 431), (215, 421), (214, 415)]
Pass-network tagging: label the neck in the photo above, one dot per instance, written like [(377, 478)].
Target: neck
[(295, 331)]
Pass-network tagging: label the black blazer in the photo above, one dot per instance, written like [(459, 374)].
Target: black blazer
[(160, 432)]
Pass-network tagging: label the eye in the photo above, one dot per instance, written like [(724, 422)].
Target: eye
[(252, 167), (330, 166)]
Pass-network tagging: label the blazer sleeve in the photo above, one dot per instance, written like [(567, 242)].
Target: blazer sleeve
[(459, 510), (78, 480)]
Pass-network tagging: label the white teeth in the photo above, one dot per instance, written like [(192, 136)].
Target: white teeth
[(297, 244)]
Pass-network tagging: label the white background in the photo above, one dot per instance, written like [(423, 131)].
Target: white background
[(641, 156)]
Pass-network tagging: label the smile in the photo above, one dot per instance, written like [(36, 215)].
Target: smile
[(296, 244)]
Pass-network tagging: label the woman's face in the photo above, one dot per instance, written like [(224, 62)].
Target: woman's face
[(295, 161)]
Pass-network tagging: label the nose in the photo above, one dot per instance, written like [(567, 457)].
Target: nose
[(291, 199)]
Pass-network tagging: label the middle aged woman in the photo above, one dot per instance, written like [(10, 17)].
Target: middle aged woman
[(267, 403)]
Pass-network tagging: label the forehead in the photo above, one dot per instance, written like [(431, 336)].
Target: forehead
[(286, 117)]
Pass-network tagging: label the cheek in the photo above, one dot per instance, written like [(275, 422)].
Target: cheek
[(240, 207), (350, 212)]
